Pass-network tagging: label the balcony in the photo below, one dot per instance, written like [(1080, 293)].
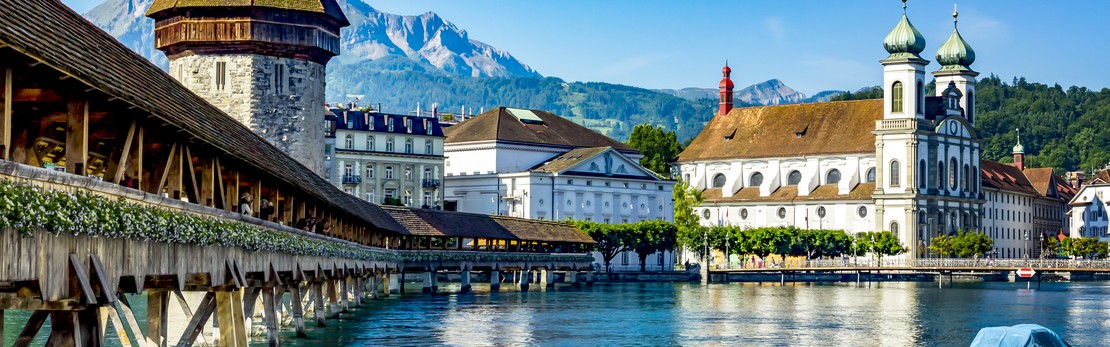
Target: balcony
[(430, 183), (352, 179)]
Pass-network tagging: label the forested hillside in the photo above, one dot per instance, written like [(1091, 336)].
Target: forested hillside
[(1067, 129)]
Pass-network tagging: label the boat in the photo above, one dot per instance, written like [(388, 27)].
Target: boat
[(1021, 335)]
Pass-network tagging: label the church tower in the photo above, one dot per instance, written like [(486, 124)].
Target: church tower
[(955, 57), (260, 62), (726, 91), (904, 71)]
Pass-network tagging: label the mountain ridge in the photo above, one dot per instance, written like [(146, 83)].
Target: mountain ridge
[(766, 93)]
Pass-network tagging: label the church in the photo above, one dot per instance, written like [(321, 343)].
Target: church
[(907, 163)]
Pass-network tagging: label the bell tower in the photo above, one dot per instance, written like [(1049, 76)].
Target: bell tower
[(260, 62), (726, 91)]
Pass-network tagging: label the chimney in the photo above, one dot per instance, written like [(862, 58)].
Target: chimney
[(726, 91)]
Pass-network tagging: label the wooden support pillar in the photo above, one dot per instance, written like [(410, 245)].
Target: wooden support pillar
[(269, 316), (66, 330), (256, 193), (198, 320), (156, 317), (207, 181), (296, 291), (464, 281), (125, 154), (124, 308), (495, 280), (6, 125), (318, 302), (136, 159), (345, 304), (191, 172), (31, 328), (289, 213), (333, 299), (229, 310), (77, 135)]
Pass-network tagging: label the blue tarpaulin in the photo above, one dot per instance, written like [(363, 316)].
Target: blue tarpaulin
[(1021, 335)]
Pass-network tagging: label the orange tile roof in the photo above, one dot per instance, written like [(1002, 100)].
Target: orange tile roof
[(840, 127), (1006, 177)]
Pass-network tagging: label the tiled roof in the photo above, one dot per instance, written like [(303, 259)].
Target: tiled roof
[(53, 33), (788, 131), (1006, 177), (862, 191), (327, 7), (569, 159), (506, 124), (1103, 176), (436, 223)]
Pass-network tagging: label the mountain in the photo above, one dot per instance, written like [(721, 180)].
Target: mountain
[(426, 38), (124, 20), (771, 92)]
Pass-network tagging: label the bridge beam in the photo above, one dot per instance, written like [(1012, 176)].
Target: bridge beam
[(6, 122)]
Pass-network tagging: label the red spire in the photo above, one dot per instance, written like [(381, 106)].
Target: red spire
[(726, 91)]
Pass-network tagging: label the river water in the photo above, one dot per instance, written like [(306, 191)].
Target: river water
[(660, 314)]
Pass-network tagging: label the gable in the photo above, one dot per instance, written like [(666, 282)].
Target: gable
[(956, 126)]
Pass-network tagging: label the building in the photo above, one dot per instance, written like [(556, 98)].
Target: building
[(1088, 208), (534, 164), (261, 62), (907, 163), (386, 158)]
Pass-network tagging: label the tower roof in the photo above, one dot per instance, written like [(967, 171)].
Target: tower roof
[(325, 7), (726, 82), (904, 41), (955, 54)]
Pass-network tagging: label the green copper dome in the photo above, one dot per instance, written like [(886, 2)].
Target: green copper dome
[(955, 54), (904, 41)]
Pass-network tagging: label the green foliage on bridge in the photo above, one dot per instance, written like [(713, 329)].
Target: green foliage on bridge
[(28, 209)]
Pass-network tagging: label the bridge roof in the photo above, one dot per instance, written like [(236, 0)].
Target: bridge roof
[(437, 223), (60, 38)]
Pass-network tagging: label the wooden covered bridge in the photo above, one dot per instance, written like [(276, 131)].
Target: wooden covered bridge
[(116, 179)]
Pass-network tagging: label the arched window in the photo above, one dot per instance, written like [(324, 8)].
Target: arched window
[(870, 178), (793, 178), (970, 107), (370, 142), (896, 97), (894, 228), (389, 143), (953, 174), (974, 182), (922, 173), (967, 177), (895, 179), (388, 172), (349, 142), (833, 177), (718, 180), (755, 180), (940, 175), (920, 99)]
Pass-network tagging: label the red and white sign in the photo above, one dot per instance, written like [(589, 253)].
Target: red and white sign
[(1026, 272)]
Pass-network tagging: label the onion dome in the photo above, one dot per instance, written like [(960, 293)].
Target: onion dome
[(955, 54), (726, 82), (1019, 148), (904, 41)]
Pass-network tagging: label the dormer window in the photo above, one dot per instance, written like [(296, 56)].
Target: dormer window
[(389, 124)]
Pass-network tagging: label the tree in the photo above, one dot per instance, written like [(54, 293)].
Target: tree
[(611, 239), (648, 237), (968, 244), (942, 245), (886, 244), (1083, 247), (690, 234), (657, 145)]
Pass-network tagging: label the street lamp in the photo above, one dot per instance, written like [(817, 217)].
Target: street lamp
[(1025, 234)]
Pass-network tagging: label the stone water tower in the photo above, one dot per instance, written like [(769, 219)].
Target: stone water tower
[(261, 61)]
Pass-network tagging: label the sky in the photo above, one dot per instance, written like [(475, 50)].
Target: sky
[(810, 45)]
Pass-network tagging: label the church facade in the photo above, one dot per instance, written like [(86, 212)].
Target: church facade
[(907, 163)]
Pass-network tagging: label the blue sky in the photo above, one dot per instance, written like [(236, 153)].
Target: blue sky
[(810, 45)]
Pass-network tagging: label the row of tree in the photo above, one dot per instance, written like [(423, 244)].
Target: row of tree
[(791, 241), (644, 238), (1089, 248)]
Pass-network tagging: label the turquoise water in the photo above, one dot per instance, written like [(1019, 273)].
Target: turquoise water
[(654, 314)]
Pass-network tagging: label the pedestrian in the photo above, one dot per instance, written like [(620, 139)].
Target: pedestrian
[(301, 224), (245, 201), (310, 224), (265, 210)]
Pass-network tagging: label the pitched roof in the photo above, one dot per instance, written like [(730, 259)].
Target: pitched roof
[(1103, 175), (51, 32), (862, 191), (839, 127), (1006, 177), (437, 223), (569, 159), (529, 126), (326, 7)]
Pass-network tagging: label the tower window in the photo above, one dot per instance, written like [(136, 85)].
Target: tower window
[(970, 107), (896, 97), (221, 75), (895, 179), (922, 172), (953, 174), (920, 98), (279, 79)]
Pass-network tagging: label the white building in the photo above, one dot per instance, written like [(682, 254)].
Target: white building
[(386, 158), (534, 164), (907, 163), (1088, 209)]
